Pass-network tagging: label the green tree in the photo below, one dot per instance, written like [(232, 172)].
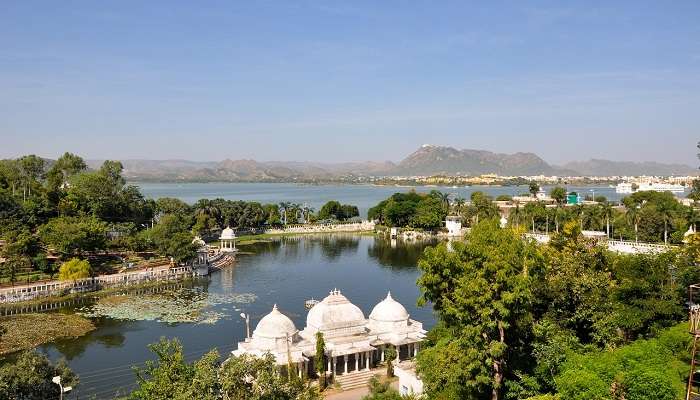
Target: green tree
[(172, 377), (29, 376), (74, 269), (32, 170), (429, 213), (13, 265), (379, 390), (173, 238), (58, 175), (390, 355), (252, 378), (533, 188), (320, 360), (74, 235), (558, 193), (482, 293), (330, 210)]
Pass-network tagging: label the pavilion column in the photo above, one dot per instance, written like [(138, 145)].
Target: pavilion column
[(345, 366), (299, 367), (357, 355), (382, 356), (367, 355), (329, 369), (334, 366), (416, 346)]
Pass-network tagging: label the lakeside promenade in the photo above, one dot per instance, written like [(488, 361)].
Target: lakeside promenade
[(33, 291)]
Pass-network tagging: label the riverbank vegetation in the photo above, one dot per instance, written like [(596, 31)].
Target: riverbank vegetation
[(568, 320), (245, 377), (642, 216), (412, 209), (30, 376), (54, 211), (27, 331)]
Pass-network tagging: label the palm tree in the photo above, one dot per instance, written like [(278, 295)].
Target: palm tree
[(284, 207), (296, 209), (633, 217), (459, 203), (607, 211), (443, 197), (665, 210), (516, 214)]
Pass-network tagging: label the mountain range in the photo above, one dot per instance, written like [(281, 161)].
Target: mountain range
[(425, 161)]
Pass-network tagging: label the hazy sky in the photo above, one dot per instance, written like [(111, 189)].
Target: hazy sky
[(350, 80)]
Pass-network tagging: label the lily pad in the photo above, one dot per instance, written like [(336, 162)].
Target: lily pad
[(178, 306)]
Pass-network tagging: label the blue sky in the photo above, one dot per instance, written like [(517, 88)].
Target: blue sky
[(350, 80)]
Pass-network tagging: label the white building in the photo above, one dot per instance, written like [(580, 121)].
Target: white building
[(352, 342), (228, 240), (453, 225)]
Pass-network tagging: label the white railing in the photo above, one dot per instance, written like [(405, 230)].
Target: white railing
[(319, 228), (624, 246), (57, 288)]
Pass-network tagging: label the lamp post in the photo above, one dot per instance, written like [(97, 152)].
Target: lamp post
[(246, 318), (57, 380)]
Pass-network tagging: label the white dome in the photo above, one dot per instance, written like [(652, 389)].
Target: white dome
[(389, 310), (335, 311), (274, 325), (227, 234)]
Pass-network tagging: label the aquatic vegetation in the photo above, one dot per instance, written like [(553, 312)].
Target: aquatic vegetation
[(188, 305), (27, 331)]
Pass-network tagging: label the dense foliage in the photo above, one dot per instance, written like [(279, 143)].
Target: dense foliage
[(59, 210), (416, 210), (29, 378), (519, 320), (238, 378), (335, 211)]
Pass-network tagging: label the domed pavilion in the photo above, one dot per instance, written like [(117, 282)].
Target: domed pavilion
[(353, 343), (228, 240)]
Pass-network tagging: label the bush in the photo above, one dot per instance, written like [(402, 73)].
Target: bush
[(648, 385), (74, 269)]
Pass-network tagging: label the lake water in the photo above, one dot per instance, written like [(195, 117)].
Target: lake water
[(285, 271), (363, 196)]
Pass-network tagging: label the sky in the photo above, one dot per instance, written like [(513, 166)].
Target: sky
[(349, 80)]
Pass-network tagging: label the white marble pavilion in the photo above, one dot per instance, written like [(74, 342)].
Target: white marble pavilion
[(227, 240), (353, 343)]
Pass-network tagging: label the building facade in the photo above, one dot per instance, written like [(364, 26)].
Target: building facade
[(353, 343)]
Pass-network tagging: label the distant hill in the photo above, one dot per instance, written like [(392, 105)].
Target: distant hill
[(436, 160), (427, 160), (598, 167)]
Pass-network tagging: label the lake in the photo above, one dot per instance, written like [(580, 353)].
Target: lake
[(363, 196), (285, 271)]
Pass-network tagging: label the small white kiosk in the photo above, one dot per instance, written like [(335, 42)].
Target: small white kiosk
[(228, 240)]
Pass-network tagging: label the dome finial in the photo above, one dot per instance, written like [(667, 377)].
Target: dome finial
[(274, 307)]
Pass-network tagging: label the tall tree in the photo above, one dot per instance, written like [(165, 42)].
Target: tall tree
[(481, 291), (29, 377)]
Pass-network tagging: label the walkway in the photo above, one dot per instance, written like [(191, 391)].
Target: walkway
[(355, 394)]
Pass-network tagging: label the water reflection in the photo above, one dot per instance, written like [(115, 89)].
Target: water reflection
[(396, 253), (285, 270)]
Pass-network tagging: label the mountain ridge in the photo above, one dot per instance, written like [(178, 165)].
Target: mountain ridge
[(425, 161)]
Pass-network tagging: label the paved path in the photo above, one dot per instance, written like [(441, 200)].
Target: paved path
[(356, 394)]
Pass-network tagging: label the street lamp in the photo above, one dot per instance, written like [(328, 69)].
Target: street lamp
[(246, 318), (57, 380)]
